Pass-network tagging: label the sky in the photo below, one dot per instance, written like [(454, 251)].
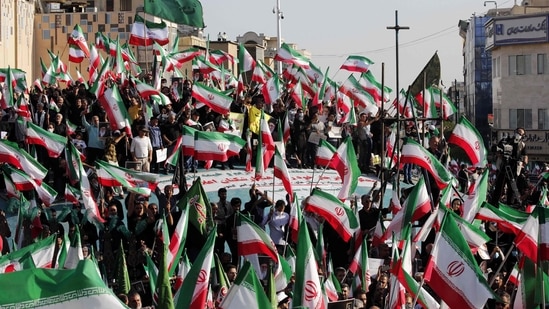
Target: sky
[(333, 30)]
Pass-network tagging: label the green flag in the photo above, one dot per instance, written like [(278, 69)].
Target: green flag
[(123, 284), (165, 297), (430, 75), (184, 12), (200, 214)]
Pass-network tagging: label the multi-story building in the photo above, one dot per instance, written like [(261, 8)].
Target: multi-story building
[(519, 47), (16, 34)]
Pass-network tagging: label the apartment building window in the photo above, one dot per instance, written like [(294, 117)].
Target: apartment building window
[(520, 118), (543, 119), (495, 67), (520, 64), (110, 5), (125, 5), (542, 64)]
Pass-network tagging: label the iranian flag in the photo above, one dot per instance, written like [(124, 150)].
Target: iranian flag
[(110, 175), (474, 201), (116, 110), (281, 172), (324, 153), (405, 104), (71, 194), (12, 154), (95, 64), (298, 95), (78, 39), (247, 291), (249, 152), (252, 239), (54, 143), (215, 99), (287, 54), (145, 90), (23, 182), (295, 218), (527, 240), (177, 241), (7, 91), (307, 288), (41, 254), (340, 216), (77, 288), (508, 219), (187, 55), (194, 291), (374, 88), (452, 271), (259, 74), (359, 265), (267, 141), (271, 90), (345, 163), (412, 152), (216, 146), (245, 61), (356, 63), (416, 206), (145, 33), (467, 137), (286, 129), (188, 140), (352, 88), (74, 254)]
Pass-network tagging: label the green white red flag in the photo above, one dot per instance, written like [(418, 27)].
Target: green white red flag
[(145, 90), (178, 239), (355, 63), (24, 182), (339, 216), (54, 143), (281, 172), (374, 88), (467, 137), (56, 289), (215, 99), (145, 33), (216, 146), (245, 61), (307, 288), (77, 40), (247, 291), (271, 90), (74, 254), (508, 219), (111, 175), (287, 54), (416, 206), (200, 214), (12, 154), (188, 140), (295, 218), (116, 109), (41, 253), (324, 153), (252, 239), (352, 88), (359, 265), (194, 291), (452, 271), (72, 195), (474, 201), (412, 152), (345, 163)]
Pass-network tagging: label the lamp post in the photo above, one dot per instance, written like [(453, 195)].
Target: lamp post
[(279, 17), (494, 2)]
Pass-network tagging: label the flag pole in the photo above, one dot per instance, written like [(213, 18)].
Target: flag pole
[(501, 264)]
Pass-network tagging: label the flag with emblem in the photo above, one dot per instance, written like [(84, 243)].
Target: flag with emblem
[(23, 182), (339, 216), (145, 33), (214, 98), (245, 61), (412, 152), (307, 287), (281, 172), (355, 63), (194, 291), (216, 146), (18, 157), (271, 90), (324, 153), (178, 239), (139, 182), (287, 54), (116, 110), (467, 137), (252, 239), (452, 271), (41, 253), (54, 143)]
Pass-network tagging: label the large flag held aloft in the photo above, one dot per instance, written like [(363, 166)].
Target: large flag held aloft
[(183, 12)]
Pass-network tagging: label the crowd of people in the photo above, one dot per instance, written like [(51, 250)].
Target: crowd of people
[(131, 219)]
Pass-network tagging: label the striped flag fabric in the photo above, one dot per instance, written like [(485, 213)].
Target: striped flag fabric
[(41, 253), (216, 146), (145, 90), (55, 289), (355, 63), (245, 61), (12, 154), (508, 219), (374, 88), (281, 172), (416, 206), (252, 239), (474, 201), (352, 88), (78, 47), (345, 163), (177, 241), (307, 287), (74, 254), (145, 33), (452, 271), (324, 153), (215, 99), (111, 176), (194, 291), (116, 110), (527, 240), (271, 90), (71, 194), (247, 291), (54, 143), (287, 54), (295, 217), (359, 265), (24, 182), (339, 216), (188, 140), (412, 152), (467, 137)]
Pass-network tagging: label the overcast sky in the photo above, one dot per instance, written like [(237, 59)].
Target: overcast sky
[(332, 30)]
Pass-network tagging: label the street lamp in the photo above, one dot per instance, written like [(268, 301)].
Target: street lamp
[(279, 17), (495, 3)]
